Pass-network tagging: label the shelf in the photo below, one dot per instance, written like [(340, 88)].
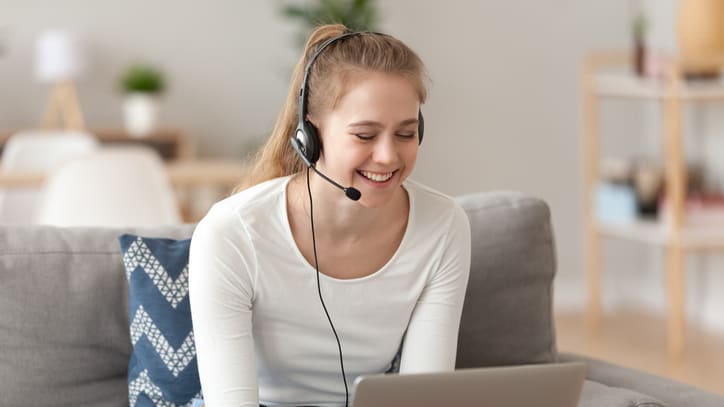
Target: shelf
[(658, 233), (606, 75), (624, 85), (171, 143)]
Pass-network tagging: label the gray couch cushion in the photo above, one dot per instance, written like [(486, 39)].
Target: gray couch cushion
[(671, 392), (599, 395), (64, 322), (507, 317)]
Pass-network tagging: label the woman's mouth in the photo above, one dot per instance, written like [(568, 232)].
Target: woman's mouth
[(380, 177)]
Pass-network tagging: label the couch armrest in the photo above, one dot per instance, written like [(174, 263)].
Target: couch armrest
[(670, 392)]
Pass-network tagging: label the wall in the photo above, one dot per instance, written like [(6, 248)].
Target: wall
[(504, 109), (227, 62)]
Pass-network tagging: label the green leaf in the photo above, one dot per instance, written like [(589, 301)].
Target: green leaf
[(142, 78), (359, 15)]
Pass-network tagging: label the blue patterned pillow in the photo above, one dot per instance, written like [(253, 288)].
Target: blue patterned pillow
[(163, 369)]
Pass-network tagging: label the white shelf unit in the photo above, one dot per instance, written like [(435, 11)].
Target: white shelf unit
[(672, 91)]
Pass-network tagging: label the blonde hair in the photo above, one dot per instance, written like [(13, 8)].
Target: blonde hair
[(367, 52)]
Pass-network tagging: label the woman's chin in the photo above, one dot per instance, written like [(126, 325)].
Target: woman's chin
[(378, 197)]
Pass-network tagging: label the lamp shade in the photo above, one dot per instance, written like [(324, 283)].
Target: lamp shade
[(58, 56)]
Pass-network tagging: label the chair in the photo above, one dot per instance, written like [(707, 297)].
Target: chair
[(37, 151), (114, 187)]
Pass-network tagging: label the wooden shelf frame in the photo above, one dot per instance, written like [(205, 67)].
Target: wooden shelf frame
[(671, 91)]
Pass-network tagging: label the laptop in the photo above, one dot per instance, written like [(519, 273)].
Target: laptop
[(542, 385)]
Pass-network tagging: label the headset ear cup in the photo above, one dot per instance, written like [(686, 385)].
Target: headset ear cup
[(313, 146), (420, 127)]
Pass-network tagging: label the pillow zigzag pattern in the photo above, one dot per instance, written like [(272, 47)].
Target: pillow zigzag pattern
[(175, 360), (163, 369)]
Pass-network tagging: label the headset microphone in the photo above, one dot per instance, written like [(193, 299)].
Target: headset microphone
[(350, 192)]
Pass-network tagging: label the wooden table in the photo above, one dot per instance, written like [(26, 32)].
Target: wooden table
[(200, 183), (218, 173)]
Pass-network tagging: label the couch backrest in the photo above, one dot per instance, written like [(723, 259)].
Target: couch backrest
[(64, 337), (64, 302), (507, 317)]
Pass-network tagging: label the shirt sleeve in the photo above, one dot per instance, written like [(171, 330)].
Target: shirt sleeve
[(221, 288), (431, 340)]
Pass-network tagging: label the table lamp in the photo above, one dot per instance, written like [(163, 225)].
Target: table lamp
[(59, 60)]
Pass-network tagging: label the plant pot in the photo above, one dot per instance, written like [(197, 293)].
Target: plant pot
[(140, 112), (701, 37)]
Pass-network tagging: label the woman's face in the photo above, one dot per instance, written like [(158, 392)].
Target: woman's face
[(370, 140)]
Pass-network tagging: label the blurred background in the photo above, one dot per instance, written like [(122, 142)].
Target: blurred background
[(509, 108)]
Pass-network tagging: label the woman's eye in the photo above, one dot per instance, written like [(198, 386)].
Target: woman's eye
[(406, 135), (365, 136)]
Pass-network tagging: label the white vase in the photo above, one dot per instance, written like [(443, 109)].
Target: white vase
[(140, 113)]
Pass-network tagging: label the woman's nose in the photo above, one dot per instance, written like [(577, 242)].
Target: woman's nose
[(385, 150)]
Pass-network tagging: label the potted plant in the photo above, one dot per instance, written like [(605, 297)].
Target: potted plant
[(142, 85), (357, 15)]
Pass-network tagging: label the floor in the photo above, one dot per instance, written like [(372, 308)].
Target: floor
[(638, 341)]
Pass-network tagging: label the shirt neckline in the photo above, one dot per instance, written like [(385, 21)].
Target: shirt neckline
[(309, 267)]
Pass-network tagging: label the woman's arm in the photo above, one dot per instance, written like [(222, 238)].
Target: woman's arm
[(221, 286), (432, 334)]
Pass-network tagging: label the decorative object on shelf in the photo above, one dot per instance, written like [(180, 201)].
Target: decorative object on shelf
[(357, 15), (696, 174), (615, 195), (702, 211), (701, 37), (639, 26), (616, 170), (648, 181), (59, 60), (615, 203), (142, 85)]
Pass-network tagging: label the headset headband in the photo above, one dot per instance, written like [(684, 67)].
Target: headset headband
[(304, 88)]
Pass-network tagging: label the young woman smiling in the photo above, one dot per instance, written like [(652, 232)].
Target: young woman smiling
[(296, 289)]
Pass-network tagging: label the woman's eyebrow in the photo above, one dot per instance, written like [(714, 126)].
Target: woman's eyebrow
[(413, 120), (365, 123), (372, 123)]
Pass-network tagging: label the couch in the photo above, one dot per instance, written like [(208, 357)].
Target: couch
[(64, 337)]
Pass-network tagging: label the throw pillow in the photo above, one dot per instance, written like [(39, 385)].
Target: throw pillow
[(163, 369)]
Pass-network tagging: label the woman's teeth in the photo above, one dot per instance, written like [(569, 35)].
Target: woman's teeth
[(376, 177)]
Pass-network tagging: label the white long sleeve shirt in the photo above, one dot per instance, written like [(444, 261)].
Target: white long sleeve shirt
[(261, 333)]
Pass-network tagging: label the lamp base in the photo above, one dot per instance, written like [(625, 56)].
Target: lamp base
[(63, 107)]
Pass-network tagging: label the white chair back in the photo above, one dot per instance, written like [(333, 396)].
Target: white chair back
[(37, 151), (114, 187)]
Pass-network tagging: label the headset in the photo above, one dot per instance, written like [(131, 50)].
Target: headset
[(306, 139)]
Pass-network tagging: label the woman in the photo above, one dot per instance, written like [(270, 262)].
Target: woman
[(292, 282)]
